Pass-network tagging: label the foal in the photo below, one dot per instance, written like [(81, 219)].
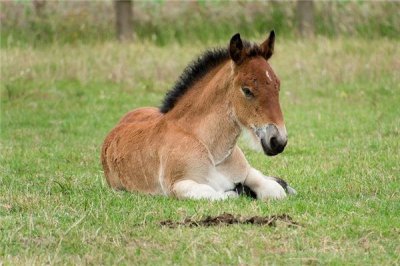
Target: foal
[(187, 148)]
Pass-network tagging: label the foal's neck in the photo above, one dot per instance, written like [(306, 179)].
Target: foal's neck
[(206, 112)]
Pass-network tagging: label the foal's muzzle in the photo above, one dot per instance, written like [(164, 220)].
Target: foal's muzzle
[(273, 141)]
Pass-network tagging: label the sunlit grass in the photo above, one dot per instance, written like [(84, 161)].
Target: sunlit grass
[(340, 100)]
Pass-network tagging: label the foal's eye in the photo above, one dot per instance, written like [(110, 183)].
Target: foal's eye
[(247, 92)]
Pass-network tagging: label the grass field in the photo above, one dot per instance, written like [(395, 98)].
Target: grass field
[(341, 104)]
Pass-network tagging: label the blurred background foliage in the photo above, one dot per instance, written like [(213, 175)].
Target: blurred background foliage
[(40, 23)]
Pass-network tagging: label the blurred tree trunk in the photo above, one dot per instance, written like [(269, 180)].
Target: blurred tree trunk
[(305, 17), (330, 17), (124, 19), (38, 6)]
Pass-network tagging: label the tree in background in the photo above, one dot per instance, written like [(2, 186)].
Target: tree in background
[(305, 17), (124, 19), (38, 6)]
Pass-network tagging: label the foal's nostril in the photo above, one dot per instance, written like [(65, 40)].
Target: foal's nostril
[(274, 141), (276, 145)]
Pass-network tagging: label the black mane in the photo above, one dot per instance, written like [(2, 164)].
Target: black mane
[(197, 69), (193, 72)]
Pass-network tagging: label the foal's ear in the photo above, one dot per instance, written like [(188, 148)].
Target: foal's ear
[(236, 51), (267, 47)]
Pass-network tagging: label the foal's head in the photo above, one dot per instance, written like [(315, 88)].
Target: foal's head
[(255, 93)]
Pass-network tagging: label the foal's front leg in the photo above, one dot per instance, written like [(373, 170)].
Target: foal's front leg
[(190, 189), (238, 169), (264, 187)]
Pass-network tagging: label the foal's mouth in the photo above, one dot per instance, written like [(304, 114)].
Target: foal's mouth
[(271, 140)]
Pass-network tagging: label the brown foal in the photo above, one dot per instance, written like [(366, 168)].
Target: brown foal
[(187, 148)]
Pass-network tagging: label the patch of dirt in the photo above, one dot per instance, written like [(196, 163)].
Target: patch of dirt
[(229, 219)]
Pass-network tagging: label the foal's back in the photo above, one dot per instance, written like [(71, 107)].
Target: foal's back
[(145, 114)]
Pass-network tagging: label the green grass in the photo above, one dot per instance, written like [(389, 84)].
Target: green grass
[(341, 104)]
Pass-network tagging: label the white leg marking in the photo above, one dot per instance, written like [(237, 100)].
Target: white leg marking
[(190, 189), (218, 181), (265, 187)]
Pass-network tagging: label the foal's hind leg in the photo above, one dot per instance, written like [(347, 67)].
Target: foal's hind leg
[(185, 189)]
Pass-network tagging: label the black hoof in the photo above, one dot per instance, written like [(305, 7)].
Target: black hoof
[(247, 192), (289, 190)]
